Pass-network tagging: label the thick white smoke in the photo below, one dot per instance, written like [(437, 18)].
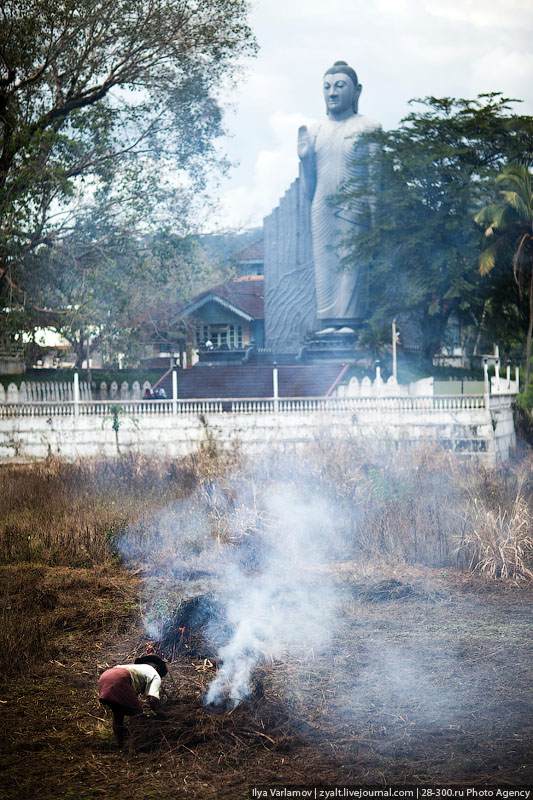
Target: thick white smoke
[(291, 560), (287, 600)]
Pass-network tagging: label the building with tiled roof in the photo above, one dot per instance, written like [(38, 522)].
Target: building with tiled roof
[(222, 321), (243, 296), (228, 317)]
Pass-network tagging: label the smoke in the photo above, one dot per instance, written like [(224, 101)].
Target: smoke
[(265, 541), (287, 600), (269, 538), (301, 566)]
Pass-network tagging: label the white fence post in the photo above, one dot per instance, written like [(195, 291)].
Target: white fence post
[(486, 384), (174, 390), (76, 394), (275, 387)]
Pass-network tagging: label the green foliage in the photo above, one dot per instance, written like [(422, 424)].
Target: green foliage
[(508, 225), (418, 233), (525, 398), (108, 116), (119, 291)]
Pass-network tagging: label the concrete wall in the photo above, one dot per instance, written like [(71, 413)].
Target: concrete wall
[(476, 432)]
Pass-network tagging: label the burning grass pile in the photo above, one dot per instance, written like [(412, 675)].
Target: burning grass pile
[(414, 688), (198, 628), (260, 722)]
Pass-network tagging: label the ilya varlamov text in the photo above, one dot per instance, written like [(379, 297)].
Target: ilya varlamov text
[(417, 792)]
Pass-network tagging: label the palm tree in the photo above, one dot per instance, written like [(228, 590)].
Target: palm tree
[(510, 222)]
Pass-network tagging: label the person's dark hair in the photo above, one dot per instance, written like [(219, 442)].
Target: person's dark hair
[(155, 662)]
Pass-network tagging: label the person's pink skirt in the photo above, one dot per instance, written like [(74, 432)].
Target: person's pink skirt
[(115, 689)]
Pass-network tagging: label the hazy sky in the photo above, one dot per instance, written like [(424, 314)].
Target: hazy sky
[(399, 48)]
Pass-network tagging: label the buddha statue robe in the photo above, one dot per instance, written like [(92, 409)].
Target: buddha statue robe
[(330, 156)]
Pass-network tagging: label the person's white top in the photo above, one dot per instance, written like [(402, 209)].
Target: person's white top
[(145, 678)]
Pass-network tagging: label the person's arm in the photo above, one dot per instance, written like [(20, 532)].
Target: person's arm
[(155, 706), (152, 695)]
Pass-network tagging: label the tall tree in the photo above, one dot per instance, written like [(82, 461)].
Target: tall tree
[(107, 105), (419, 237), (508, 223), (107, 292)]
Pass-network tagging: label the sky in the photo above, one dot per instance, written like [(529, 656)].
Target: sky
[(400, 49)]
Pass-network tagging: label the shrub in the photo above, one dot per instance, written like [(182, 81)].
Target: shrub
[(498, 539)]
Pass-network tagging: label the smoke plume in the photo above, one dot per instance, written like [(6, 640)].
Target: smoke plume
[(285, 598)]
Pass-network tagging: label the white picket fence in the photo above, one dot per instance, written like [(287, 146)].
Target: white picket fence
[(367, 387), (33, 399), (63, 391), (43, 392)]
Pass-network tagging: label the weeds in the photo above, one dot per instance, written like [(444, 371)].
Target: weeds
[(418, 507), (498, 540), (71, 514)]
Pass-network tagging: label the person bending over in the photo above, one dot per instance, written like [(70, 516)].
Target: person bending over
[(119, 689)]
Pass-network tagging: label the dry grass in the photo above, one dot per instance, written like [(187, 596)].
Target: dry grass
[(38, 607), (71, 514), (413, 690), (402, 505), (498, 539), (419, 507), (426, 678), (25, 628)]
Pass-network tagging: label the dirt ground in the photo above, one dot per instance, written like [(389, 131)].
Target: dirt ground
[(426, 684)]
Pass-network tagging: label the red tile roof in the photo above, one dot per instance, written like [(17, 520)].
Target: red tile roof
[(252, 252), (250, 380), (246, 295)]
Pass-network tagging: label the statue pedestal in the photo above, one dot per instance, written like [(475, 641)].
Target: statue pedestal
[(343, 344)]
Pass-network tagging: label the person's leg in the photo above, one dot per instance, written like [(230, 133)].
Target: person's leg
[(119, 729)]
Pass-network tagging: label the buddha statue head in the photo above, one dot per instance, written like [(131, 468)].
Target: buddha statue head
[(341, 90)]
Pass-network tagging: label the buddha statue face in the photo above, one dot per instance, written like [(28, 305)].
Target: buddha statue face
[(341, 95)]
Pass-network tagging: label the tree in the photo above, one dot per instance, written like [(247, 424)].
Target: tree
[(111, 297), (508, 223), (419, 238), (107, 108)]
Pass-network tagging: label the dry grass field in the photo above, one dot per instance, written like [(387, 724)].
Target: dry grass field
[(423, 675)]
